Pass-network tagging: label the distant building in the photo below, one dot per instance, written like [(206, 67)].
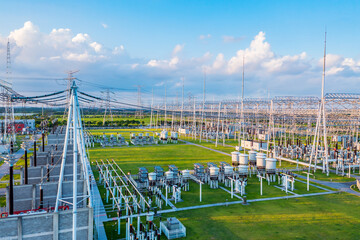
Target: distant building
[(20, 125)]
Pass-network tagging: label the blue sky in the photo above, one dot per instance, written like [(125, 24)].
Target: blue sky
[(147, 33)]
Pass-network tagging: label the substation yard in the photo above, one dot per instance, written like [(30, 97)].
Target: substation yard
[(320, 213)]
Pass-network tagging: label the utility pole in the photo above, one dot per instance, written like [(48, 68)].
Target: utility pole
[(9, 108), (69, 81), (107, 105), (218, 125), (139, 112)]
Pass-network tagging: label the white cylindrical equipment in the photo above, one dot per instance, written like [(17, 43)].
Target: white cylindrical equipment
[(270, 164), (243, 159), (164, 135), (235, 158), (260, 160), (174, 135), (243, 169), (228, 170), (214, 171), (252, 156), (169, 175), (185, 174), (152, 176)]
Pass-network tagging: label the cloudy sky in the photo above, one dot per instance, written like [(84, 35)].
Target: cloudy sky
[(121, 44)]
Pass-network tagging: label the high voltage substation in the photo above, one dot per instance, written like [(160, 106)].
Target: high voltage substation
[(65, 194)]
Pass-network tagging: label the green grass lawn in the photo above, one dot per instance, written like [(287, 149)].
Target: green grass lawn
[(6, 178), (332, 177), (355, 188), (287, 165), (334, 216), (209, 144), (3, 201), (124, 132), (181, 155), (21, 163)]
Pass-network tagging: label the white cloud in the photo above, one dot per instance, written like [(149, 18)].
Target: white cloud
[(26, 36), (61, 49), (29, 45), (258, 51), (338, 65), (164, 64), (118, 50), (178, 48), (219, 62), (81, 57), (81, 38), (160, 84), (231, 39), (285, 63), (260, 60), (96, 46), (135, 65), (203, 37), (331, 60), (104, 25)]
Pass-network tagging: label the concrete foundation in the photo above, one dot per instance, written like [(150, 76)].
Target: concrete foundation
[(44, 226)]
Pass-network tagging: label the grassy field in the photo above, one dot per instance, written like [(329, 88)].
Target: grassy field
[(301, 218), (183, 156), (3, 201), (210, 144), (21, 163), (320, 217), (6, 178), (332, 177), (124, 132), (335, 216)]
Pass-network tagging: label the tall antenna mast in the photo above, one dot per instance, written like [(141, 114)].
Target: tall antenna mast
[(8, 64), (242, 103), (323, 75), (321, 123), (243, 79), (325, 163), (182, 103), (152, 104), (203, 107), (165, 120), (9, 109)]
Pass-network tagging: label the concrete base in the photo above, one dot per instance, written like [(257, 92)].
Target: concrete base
[(45, 226)]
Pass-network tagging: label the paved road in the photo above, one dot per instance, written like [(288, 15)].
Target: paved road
[(344, 187)]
